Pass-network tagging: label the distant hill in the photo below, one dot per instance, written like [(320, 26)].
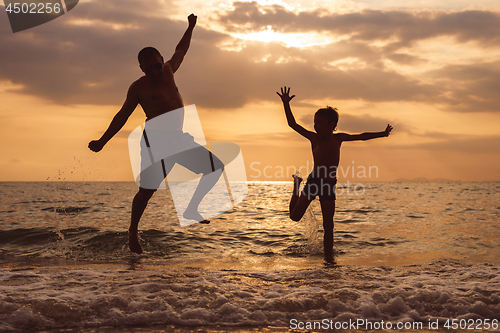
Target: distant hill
[(423, 179)]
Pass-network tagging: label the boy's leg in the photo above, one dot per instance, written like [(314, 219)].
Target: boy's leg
[(299, 202), (138, 206), (300, 207), (296, 192), (328, 211)]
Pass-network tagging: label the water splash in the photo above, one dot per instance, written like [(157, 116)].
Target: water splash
[(62, 245), (312, 228)]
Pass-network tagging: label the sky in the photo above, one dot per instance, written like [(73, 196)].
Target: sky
[(429, 68)]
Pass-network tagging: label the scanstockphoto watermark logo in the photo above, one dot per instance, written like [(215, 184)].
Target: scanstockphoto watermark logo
[(171, 149), (31, 13)]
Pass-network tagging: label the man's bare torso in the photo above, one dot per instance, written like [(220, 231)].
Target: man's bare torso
[(157, 98), (326, 155)]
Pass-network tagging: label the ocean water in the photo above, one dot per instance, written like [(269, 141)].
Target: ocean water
[(405, 254)]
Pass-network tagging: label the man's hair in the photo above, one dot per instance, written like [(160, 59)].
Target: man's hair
[(147, 53), (331, 115)]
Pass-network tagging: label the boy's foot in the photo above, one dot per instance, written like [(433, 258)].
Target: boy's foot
[(329, 258), (133, 242), (194, 215), (297, 177), (329, 255), (297, 180)]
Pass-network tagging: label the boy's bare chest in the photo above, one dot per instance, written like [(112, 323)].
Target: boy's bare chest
[(326, 152), (327, 146)]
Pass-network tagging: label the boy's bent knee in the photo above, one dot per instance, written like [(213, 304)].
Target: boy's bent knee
[(295, 217)]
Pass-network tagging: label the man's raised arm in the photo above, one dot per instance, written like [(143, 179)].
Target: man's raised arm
[(183, 46)]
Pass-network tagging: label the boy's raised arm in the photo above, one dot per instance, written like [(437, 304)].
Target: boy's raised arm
[(366, 135), (286, 98)]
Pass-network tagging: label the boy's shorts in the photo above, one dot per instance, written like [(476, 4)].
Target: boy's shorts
[(324, 188)]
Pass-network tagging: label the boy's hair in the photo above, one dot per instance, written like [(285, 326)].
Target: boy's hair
[(331, 114), (147, 53)]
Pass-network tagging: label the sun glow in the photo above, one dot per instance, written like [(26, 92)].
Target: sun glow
[(114, 26), (289, 39)]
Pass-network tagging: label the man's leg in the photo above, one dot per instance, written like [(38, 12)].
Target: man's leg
[(207, 182), (138, 206), (328, 211), (198, 160)]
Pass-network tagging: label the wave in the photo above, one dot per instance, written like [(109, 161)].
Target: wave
[(93, 244), (66, 210), (50, 243)]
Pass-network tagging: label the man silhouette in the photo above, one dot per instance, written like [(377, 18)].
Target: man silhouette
[(157, 93)]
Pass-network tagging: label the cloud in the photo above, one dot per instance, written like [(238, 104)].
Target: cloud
[(446, 142), (89, 56), (366, 123), (465, 144), (406, 25), (222, 79), (288, 138), (470, 88), (359, 123), (356, 67)]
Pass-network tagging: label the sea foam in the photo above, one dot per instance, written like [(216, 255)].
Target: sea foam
[(38, 299)]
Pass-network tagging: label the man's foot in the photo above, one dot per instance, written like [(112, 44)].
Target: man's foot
[(192, 214), (133, 242)]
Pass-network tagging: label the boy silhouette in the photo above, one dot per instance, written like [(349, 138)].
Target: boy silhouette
[(326, 155), (157, 93)]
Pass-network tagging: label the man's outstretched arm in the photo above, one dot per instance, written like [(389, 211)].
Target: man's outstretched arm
[(183, 46), (118, 121)]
